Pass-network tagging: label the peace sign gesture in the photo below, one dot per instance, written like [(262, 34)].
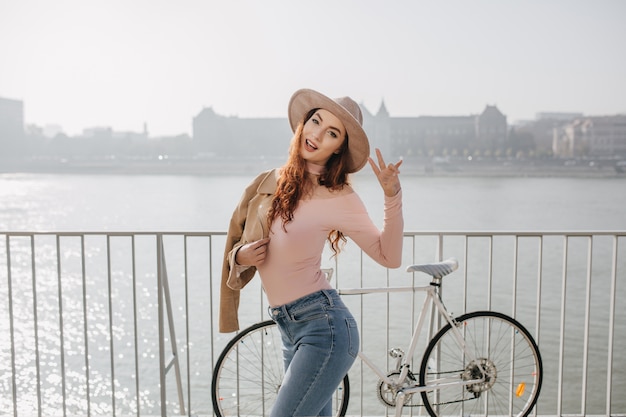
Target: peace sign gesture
[(387, 174)]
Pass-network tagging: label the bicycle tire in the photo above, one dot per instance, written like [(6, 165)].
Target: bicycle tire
[(249, 372), (505, 349)]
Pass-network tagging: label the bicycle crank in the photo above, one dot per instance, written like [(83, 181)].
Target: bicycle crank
[(387, 393)]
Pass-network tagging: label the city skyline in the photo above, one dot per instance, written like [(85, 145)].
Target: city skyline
[(121, 64), (145, 128)]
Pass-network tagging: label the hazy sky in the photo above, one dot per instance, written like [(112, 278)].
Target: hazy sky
[(120, 63)]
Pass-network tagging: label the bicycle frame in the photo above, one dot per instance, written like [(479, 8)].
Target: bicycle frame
[(433, 303)]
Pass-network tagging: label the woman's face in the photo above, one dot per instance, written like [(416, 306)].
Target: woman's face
[(322, 135)]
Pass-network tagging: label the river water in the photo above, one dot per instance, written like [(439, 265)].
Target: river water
[(191, 203)]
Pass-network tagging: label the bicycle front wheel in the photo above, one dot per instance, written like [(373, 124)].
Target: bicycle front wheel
[(505, 367), (249, 372)]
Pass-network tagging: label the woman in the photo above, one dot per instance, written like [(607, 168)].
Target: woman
[(280, 228)]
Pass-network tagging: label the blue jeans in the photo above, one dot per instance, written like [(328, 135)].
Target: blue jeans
[(320, 343)]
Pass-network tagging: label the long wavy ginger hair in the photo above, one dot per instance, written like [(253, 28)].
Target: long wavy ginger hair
[(295, 183)]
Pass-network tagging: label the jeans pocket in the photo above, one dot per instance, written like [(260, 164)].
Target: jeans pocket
[(308, 313), (353, 337)]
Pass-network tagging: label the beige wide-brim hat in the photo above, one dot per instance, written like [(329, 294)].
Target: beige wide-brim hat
[(346, 109)]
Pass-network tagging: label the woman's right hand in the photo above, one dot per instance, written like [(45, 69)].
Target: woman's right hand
[(387, 174), (253, 253)]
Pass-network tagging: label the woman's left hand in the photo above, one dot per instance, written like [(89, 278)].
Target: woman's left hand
[(387, 174)]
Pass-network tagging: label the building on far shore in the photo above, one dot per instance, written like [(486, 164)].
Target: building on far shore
[(539, 132), (11, 126), (484, 134), (600, 136), (217, 135)]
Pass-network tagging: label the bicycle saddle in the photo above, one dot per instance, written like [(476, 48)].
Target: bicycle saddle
[(437, 269)]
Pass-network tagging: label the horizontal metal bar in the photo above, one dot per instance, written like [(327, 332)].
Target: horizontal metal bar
[(483, 233)]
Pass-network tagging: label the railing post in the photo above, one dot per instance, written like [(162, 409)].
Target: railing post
[(160, 322), (11, 329), (559, 396), (62, 333), (609, 364), (111, 338), (164, 296)]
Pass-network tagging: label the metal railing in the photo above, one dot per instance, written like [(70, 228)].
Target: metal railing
[(90, 317)]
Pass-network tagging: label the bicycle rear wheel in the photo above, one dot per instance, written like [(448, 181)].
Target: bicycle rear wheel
[(503, 348), (249, 372)]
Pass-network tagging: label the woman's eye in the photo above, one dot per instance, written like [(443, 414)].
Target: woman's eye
[(314, 120), (333, 134)]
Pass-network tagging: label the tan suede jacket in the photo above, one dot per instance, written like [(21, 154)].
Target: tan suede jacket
[(248, 224)]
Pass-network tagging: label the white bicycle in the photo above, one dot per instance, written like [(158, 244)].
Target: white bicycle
[(480, 363)]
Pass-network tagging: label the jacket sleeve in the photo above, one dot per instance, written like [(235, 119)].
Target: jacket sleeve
[(233, 280)]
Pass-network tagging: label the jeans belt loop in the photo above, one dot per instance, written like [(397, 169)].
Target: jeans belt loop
[(329, 297), (275, 311)]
